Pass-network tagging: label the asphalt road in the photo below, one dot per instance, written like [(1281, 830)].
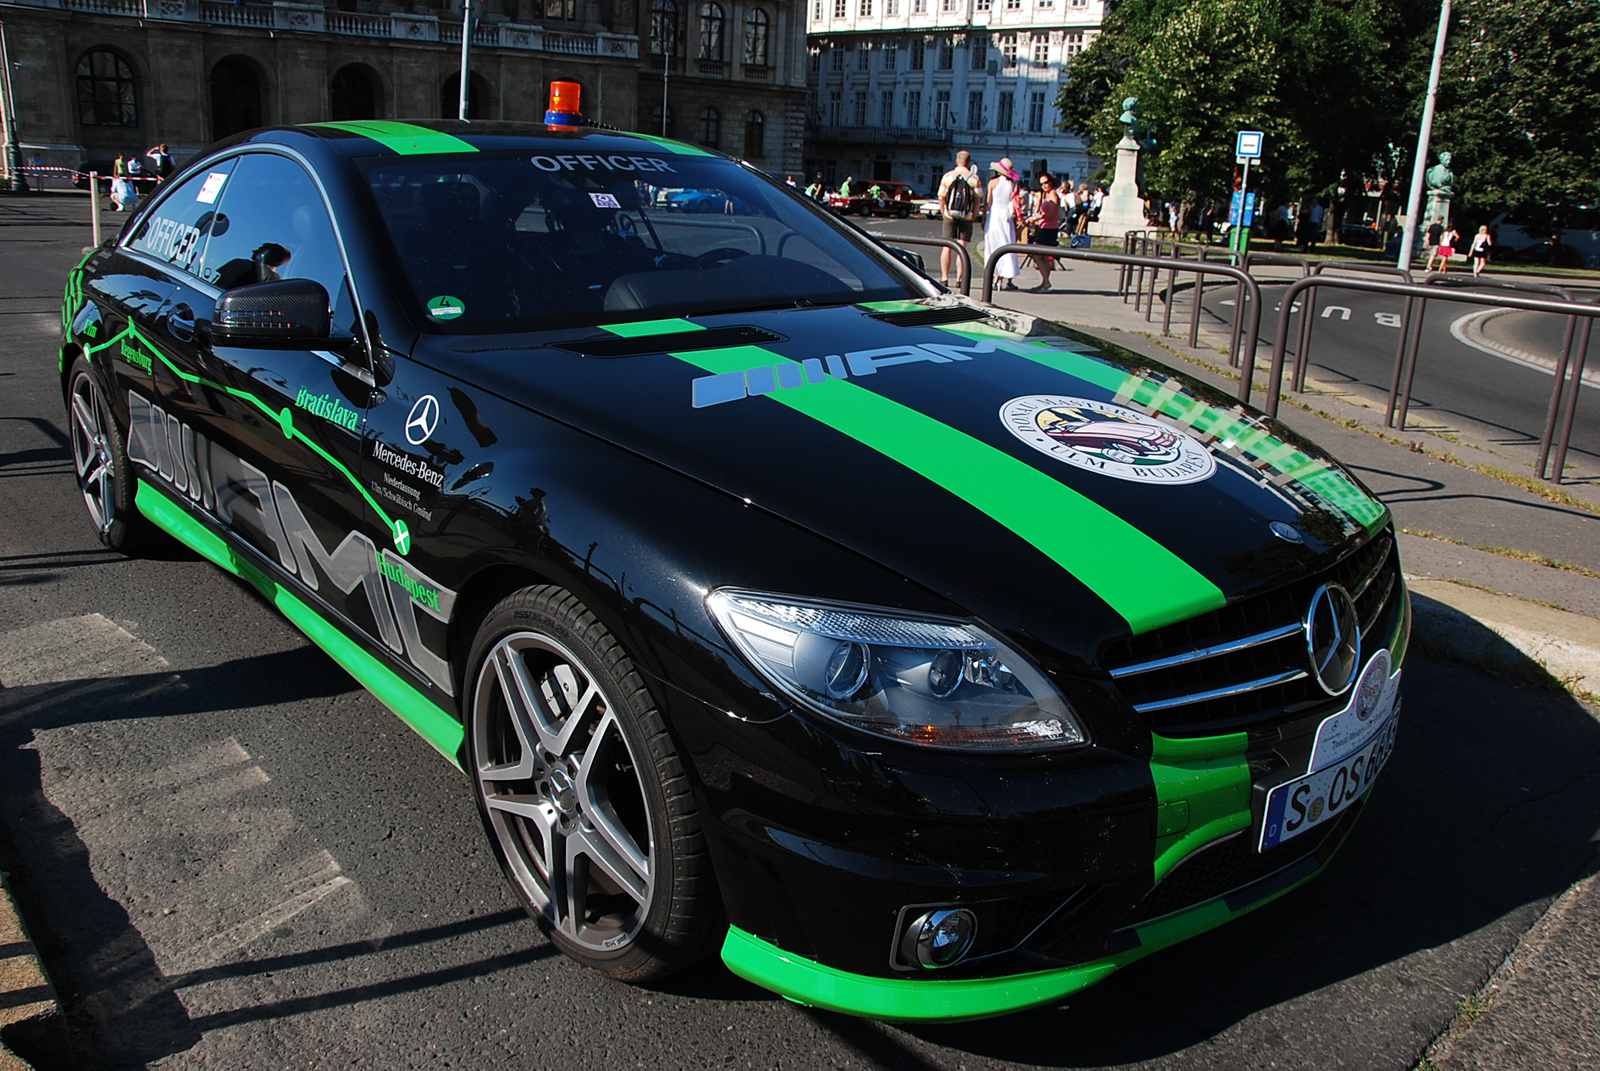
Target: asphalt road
[(1353, 346), (233, 857)]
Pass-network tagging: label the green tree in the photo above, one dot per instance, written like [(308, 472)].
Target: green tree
[(1326, 80), (1518, 105)]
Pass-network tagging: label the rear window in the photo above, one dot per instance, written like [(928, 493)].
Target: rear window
[(501, 242)]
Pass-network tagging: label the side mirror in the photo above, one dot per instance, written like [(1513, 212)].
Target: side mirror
[(288, 312), (909, 259)]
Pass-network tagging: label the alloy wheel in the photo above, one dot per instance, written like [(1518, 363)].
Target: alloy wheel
[(562, 790), (92, 456)]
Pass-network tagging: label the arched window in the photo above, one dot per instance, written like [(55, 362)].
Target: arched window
[(105, 91), (755, 38), (235, 97), (710, 127), (755, 136), (656, 123), (711, 31), (450, 97), (663, 28), (353, 94)]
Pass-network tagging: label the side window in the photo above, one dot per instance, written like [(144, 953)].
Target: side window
[(176, 232), (272, 224)]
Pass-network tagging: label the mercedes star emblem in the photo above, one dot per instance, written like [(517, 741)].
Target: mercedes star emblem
[(1333, 638), (423, 419)]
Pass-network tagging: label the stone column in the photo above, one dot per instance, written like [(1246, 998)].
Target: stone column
[(1123, 210)]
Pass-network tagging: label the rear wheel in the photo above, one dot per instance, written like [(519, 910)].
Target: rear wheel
[(100, 462), (582, 793)]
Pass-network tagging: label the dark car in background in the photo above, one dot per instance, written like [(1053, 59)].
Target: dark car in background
[(736, 564)]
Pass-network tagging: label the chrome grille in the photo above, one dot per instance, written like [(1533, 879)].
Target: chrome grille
[(1246, 663)]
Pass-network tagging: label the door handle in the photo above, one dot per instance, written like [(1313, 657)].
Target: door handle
[(180, 323)]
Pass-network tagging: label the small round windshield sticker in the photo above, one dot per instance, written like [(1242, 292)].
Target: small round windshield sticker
[(1107, 439), (445, 307)]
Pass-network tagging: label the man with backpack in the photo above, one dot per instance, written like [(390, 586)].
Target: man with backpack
[(960, 202)]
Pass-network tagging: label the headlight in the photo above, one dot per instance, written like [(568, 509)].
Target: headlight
[(927, 680)]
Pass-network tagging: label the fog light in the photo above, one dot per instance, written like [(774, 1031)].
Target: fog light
[(939, 938)]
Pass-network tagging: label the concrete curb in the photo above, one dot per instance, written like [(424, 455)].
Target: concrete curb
[(1530, 1013), (1507, 635), (1470, 330), (33, 1030)]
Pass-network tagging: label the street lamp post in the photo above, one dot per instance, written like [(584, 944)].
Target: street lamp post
[(1419, 166), (14, 182), (669, 41), (467, 20)]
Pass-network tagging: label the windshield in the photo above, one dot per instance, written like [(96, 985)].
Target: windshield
[(516, 241)]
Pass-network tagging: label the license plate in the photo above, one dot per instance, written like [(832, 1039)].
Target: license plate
[(1368, 726)]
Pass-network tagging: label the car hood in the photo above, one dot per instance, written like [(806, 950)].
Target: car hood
[(935, 437)]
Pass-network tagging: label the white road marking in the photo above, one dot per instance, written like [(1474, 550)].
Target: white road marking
[(220, 946), (84, 648)]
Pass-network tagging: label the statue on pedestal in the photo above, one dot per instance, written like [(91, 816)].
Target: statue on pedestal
[(1130, 121), (1441, 187), (1440, 178), (1123, 209)]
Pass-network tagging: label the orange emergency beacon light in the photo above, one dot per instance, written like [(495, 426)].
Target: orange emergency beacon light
[(564, 107)]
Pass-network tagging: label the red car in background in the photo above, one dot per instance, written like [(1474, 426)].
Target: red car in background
[(892, 199)]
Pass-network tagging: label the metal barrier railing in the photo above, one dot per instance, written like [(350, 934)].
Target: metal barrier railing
[(1298, 379), (1147, 253), (1247, 285), (961, 252), (1557, 431), (1562, 363)]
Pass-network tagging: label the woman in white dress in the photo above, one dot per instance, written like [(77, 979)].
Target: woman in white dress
[(1001, 226)]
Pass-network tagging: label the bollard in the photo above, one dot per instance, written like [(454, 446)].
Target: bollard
[(94, 207), (1572, 406)]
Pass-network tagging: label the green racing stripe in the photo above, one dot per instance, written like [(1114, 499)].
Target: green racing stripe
[(1143, 581), (1170, 400), (406, 139), (284, 418), (429, 722), (646, 328)]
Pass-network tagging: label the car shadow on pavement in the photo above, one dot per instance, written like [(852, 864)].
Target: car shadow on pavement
[(83, 933), (1485, 813)]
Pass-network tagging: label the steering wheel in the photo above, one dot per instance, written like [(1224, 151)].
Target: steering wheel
[(720, 255)]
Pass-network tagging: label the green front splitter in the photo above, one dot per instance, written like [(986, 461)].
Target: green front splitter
[(911, 1000)]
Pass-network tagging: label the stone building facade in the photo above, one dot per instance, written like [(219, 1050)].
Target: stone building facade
[(896, 87), (94, 78)]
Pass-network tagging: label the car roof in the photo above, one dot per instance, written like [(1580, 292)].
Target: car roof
[(416, 137)]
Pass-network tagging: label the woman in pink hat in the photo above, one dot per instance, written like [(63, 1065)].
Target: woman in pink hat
[(1001, 227)]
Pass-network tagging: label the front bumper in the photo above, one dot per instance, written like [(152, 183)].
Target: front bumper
[(923, 999)]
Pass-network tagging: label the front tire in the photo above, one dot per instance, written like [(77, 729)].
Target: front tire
[(100, 463), (582, 793)]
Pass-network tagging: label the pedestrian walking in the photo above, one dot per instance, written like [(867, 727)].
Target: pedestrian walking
[(1479, 252), (1430, 244), (1001, 226), (1447, 249), (160, 161), (960, 202), (1046, 224)]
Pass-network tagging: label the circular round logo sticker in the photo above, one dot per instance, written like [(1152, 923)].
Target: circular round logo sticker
[(445, 307), (1107, 439)]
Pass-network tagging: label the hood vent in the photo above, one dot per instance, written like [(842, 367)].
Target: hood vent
[(952, 314), (676, 342)]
